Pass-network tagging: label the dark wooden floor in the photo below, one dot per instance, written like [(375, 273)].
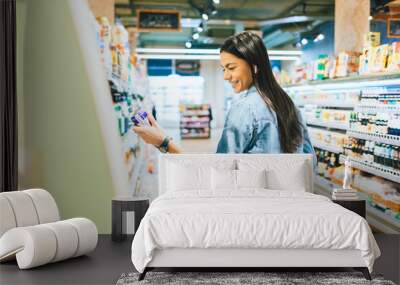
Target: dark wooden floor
[(110, 260)]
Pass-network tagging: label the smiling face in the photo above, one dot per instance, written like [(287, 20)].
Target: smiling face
[(236, 71)]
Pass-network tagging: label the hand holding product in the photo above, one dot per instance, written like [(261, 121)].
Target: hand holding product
[(147, 128)]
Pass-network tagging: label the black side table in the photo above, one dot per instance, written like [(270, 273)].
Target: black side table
[(139, 205), (357, 206)]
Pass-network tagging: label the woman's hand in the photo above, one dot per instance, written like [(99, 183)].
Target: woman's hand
[(153, 134)]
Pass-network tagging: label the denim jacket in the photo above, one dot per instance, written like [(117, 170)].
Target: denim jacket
[(252, 127)]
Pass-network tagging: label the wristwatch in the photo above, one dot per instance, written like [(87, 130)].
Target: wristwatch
[(163, 147)]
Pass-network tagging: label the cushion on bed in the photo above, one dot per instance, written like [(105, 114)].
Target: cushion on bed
[(283, 174), (185, 177), (223, 179), (276, 179), (251, 178), (195, 174), (227, 179)]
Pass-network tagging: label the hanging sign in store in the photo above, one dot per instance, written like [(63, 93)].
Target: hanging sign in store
[(158, 21), (393, 27), (187, 67)]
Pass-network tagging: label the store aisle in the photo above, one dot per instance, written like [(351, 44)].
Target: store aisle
[(196, 145)]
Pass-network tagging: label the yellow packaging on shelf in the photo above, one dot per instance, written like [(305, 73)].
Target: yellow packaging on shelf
[(393, 62), (348, 63), (378, 59), (372, 39)]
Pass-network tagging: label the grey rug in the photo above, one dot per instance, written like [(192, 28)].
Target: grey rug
[(243, 278)]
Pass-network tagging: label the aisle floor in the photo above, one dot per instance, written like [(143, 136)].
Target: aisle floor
[(110, 259)]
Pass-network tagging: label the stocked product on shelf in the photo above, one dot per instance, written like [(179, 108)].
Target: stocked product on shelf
[(381, 194), (335, 98), (129, 93), (328, 140), (371, 140), (195, 120), (327, 117), (383, 154), (375, 58), (328, 165)]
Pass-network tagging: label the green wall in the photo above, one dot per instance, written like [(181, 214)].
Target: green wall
[(61, 146)]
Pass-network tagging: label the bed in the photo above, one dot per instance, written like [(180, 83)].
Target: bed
[(235, 210)]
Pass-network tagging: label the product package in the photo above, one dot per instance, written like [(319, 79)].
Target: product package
[(393, 62)]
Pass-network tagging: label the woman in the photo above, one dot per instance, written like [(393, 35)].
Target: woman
[(263, 119)]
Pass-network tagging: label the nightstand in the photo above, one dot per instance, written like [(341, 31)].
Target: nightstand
[(357, 206), (138, 205)]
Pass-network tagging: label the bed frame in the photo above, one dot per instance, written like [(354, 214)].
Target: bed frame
[(241, 259)]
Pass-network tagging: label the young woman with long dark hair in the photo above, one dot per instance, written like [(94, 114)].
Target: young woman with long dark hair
[(263, 119)]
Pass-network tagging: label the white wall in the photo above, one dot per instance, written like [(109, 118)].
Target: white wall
[(214, 90)]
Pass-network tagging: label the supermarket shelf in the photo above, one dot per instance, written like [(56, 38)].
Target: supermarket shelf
[(376, 137), (324, 184), (327, 147), (374, 168), (382, 221), (195, 136), (377, 108), (375, 217), (333, 125), (200, 120), (360, 78), (334, 104), (194, 127), (195, 113)]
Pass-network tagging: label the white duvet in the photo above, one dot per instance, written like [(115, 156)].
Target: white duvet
[(250, 219)]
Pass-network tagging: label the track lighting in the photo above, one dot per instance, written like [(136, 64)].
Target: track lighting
[(304, 41), (195, 36)]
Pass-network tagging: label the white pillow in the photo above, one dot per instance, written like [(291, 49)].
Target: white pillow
[(251, 178), (223, 179), (182, 177), (278, 179)]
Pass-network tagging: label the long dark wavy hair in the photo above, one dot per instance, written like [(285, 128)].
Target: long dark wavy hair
[(250, 47)]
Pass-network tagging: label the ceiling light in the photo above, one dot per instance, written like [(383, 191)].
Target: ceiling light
[(200, 28), (195, 36), (304, 41), (370, 18), (216, 1), (298, 44), (209, 51), (204, 16), (188, 44), (214, 12), (319, 37)]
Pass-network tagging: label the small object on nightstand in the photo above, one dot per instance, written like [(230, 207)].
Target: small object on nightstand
[(346, 192), (138, 205), (357, 206)]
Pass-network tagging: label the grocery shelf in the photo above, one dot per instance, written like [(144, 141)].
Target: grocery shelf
[(375, 217), (374, 168), (377, 108), (206, 136), (333, 104), (332, 125), (195, 113), (382, 221), (327, 147), (376, 137), (194, 127), (324, 184), (360, 78)]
